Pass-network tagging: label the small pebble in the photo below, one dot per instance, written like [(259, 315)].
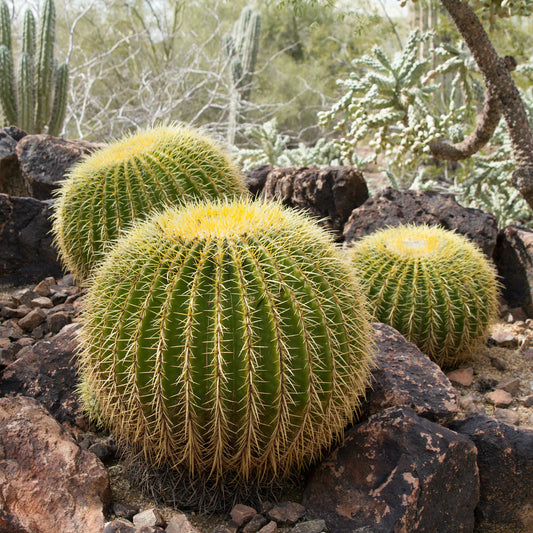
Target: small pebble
[(499, 398), (311, 526), (504, 338), (510, 385), (241, 514), (462, 376), (181, 524), (498, 363), (507, 416), (271, 527), (149, 517), (485, 384), (528, 401)]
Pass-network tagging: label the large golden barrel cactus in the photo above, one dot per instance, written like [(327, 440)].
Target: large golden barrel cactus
[(434, 286), (128, 180), (228, 339)]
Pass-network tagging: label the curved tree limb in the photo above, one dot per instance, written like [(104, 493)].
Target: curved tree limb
[(499, 86)]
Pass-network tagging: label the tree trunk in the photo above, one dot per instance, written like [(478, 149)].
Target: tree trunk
[(499, 85)]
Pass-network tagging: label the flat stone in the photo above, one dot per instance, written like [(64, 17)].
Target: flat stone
[(149, 517), (286, 513), (504, 338), (10, 329), (461, 376), (181, 524), (498, 363), (527, 401), (15, 312), (42, 301), (311, 526), (510, 385), (396, 472), (507, 416), (406, 376), (23, 297), (33, 319), (271, 527), (505, 461), (499, 398), (44, 287), (241, 514), (48, 482)]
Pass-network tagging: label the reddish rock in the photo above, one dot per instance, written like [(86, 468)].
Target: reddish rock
[(461, 376), (23, 297), (48, 482), (57, 321), (397, 472), (47, 372), (44, 287), (329, 194), (499, 398), (32, 319), (44, 160), (510, 385), (255, 524), (120, 526), (271, 527), (241, 514), (406, 376), (505, 461), (392, 207), (43, 302), (286, 513), (181, 524)]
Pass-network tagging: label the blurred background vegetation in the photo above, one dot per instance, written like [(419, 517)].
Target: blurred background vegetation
[(368, 83)]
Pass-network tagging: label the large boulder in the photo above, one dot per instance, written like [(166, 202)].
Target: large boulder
[(329, 194), (47, 482), (391, 207), (46, 371), (44, 160), (397, 472), (513, 257), (405, 376), (11, 179), (26, 251), (505, 461)]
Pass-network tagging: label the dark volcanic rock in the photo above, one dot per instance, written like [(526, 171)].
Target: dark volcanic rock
[(47, 372), (256, 179), (406, 376), (48, 483), (514, 260), (391, 207), (328, 193), (11, 180), (505, 461), (45, 159), (26, 251), (397, 472)]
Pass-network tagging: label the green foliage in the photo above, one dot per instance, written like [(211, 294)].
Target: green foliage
[(28, 102), (228, 340), (432, 285), (128, 180), (273, 148)]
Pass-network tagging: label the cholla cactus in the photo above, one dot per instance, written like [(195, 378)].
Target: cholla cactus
[(130, 178), (226, 339), (38, 101), (432, 285)]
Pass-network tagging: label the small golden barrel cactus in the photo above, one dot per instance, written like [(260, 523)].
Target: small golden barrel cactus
[(434, 286), (129, 179), (227, 339)]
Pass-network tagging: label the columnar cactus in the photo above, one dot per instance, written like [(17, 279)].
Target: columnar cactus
[(130, 178), (38, 101), (227, 339), (434, 286)]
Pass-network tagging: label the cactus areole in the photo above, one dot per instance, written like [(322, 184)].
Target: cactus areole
[(128, 180), (227, 339), (434, 286)]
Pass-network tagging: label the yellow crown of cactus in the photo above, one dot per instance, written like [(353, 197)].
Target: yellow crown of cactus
[(130, 178), (227, 339), (432, 285)]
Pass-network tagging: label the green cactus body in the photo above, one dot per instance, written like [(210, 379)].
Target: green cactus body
[(432, 285), (130, 178), (29, 34), (26, 93), (8, 92), (227, 339), (45, 65), (59, 107), (5, 26)]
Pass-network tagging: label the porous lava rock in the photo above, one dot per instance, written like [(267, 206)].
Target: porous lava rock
[(403, 375), (391, 207), (11, 179), (505, 462), (329, 194), (397, 472), (513, 257), (44, 161), (47, 482), (26, 251)]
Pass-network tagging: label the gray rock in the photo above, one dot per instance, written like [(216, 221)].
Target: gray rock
[(391, 207), (12, 181), (311, 526), (57, 321), (124, 510), (119, 526), (397, 472), (255, 524), (149, 517)]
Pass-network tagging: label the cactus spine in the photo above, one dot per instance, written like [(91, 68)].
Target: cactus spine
[(228, 339), (241, 48), (434, 286), (28, 102), (130, 178)]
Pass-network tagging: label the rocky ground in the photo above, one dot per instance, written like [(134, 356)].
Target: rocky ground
[(498, 381)]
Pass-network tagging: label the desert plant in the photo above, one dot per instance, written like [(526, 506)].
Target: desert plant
[(434, 286), (228, 339), (130, 178), (39, 99)]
